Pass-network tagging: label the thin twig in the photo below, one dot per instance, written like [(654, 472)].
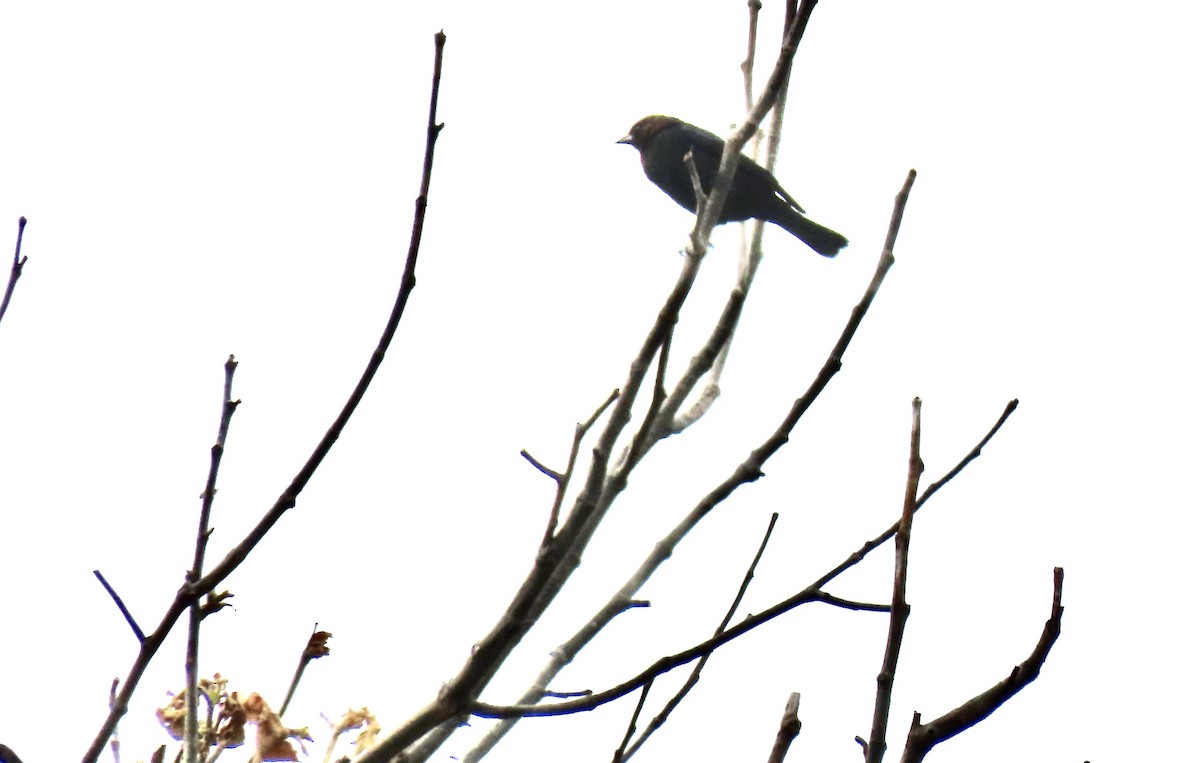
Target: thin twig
[(668, 422), (751, 253), (751, 47), (137, 631), (18, 265), (642, 439), (854, 606), (694, 677), (689, 161), (315, 648), (114, 743), (287, 499), (707, 215), (789, 729), (564, 479), (886, 679), (619, 754), (546, 470), (923, 737), (928, 493), (192, 657)]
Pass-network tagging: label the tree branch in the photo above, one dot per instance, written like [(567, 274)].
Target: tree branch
[(564, 479), (191, 661), (620, 754), (810, 594), (137, 631), (789, 729), (746, 472), (900, 609), (288, 498), (18, 265), (694, 677), (923, 737)]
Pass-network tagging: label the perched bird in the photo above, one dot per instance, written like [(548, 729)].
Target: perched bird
[(664, 141)]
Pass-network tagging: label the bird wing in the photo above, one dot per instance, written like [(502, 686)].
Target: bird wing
[(787, 197), (706, 151), (663, 160)]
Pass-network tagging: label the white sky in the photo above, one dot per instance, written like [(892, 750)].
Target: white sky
[(224, 178)]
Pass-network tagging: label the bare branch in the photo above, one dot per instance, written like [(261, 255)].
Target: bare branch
[(643, 439), (810, 594), (114, 743), (742, 474), (568, 694), (712, 357), (854, 606), (789, 729), (564, 479), (689, 161), (891, 654), (315, 648), (18, 265), (288, 498), (553, 566), (669, 422), (694, 677), (546, 470), (663, 549), (557, 561), (191, 661), (928, 493), (751, 250), (137, 631), (923, 737), (619, 753), (706, 217), (751, 47)]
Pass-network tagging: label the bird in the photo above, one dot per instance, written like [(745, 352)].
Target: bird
[(663, 142)]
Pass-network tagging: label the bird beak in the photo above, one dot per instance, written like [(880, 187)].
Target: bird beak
[(627, 139)]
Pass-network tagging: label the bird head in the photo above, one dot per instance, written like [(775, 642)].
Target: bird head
[(646, 128)]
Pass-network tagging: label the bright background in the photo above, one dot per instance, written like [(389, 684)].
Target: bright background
[(238, 178)]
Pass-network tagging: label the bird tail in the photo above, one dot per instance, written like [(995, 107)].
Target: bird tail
[(822, 240)]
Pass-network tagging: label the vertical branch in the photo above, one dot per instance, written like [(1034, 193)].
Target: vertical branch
[(706, 218), (114, 744), (891, 654), (789, 729), (751, 249), (192, 659), (774, 137), (18, 265), (751, 48)]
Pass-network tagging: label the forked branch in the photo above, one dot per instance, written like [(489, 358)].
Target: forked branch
[(189, 593)]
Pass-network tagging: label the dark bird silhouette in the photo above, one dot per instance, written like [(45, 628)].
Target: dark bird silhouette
[(664, 141)]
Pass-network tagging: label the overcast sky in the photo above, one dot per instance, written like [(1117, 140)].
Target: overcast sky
[(238, 178)]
